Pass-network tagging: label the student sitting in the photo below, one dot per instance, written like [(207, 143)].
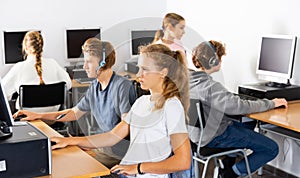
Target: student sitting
[(218, 104), (34, 70), (107, 98), (159, 142)]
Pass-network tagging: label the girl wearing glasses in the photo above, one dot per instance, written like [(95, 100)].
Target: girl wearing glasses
[(159, 143)]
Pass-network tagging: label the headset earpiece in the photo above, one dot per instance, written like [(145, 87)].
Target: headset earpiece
[(214, 60), (103, 62)]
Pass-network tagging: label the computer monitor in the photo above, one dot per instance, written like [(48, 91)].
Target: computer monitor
[(141, 37), (5, 112), (276, 59), (75, 38), (12, 46)]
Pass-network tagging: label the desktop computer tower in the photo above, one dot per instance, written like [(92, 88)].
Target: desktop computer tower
[(26, 154), (260, 90)]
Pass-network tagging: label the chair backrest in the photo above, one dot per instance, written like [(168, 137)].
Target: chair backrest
[(196, 118), (34, 96), (138, 90)]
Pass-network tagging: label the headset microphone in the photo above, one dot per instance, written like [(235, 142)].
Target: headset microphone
[(103, 62)]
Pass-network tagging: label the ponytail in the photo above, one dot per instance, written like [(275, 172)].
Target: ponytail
[(158, 35), (176, 83), (179, 56)]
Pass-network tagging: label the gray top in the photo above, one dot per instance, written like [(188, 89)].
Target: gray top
[(218, 104)]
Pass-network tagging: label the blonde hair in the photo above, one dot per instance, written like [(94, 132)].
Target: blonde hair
[(176, 83), (95, 47), (34, 41), (170, 18)]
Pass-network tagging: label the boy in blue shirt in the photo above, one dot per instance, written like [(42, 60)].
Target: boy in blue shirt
[(108, 98)]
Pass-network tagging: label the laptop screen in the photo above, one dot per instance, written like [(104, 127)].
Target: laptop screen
[(5, 113)]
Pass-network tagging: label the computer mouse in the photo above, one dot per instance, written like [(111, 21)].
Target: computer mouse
[(282, 106), (19, 117)]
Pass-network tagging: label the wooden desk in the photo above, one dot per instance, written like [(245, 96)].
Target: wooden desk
[(76, 84), (71, 161), (284, 122), (288, 118)]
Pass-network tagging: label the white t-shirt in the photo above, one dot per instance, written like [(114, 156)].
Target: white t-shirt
[(150, 131), (24, 72)]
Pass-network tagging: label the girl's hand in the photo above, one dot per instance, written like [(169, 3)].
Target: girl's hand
[(59, 142), (125, 169)]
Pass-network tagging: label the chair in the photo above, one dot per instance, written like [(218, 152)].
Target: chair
[(37, 96), (204, 154)]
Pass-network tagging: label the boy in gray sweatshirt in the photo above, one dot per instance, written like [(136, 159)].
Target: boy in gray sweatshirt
[(219, 105)]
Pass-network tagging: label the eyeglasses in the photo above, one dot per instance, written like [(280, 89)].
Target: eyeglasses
[(144, 71)]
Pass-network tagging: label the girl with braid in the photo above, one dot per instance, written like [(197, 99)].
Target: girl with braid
[(34, 70)]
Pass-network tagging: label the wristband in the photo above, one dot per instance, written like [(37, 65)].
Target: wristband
[(60, 116), (139, 168)]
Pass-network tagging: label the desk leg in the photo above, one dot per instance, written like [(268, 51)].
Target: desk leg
[(260, 170), (73, 124), (86, 124)]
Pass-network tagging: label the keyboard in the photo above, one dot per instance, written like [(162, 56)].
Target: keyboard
[(109, 176), (246, 97), (84, 80)]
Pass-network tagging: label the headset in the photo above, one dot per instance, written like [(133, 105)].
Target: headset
[(214, 60), (102, 62)]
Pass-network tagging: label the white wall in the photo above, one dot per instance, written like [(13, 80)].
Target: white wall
[(240, 25), (52, 17)]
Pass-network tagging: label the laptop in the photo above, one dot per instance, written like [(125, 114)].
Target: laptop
[(81, 77)]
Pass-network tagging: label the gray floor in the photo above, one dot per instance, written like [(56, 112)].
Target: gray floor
[(268, 172)]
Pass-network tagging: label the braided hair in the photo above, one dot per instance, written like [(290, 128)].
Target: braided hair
[(33, 41)]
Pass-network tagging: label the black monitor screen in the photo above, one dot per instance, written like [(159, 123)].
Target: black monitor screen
[(141, 37), (13, 46), (76, 38), (5, 113)]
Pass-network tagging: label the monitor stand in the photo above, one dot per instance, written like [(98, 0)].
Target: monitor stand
[(278, 85)]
